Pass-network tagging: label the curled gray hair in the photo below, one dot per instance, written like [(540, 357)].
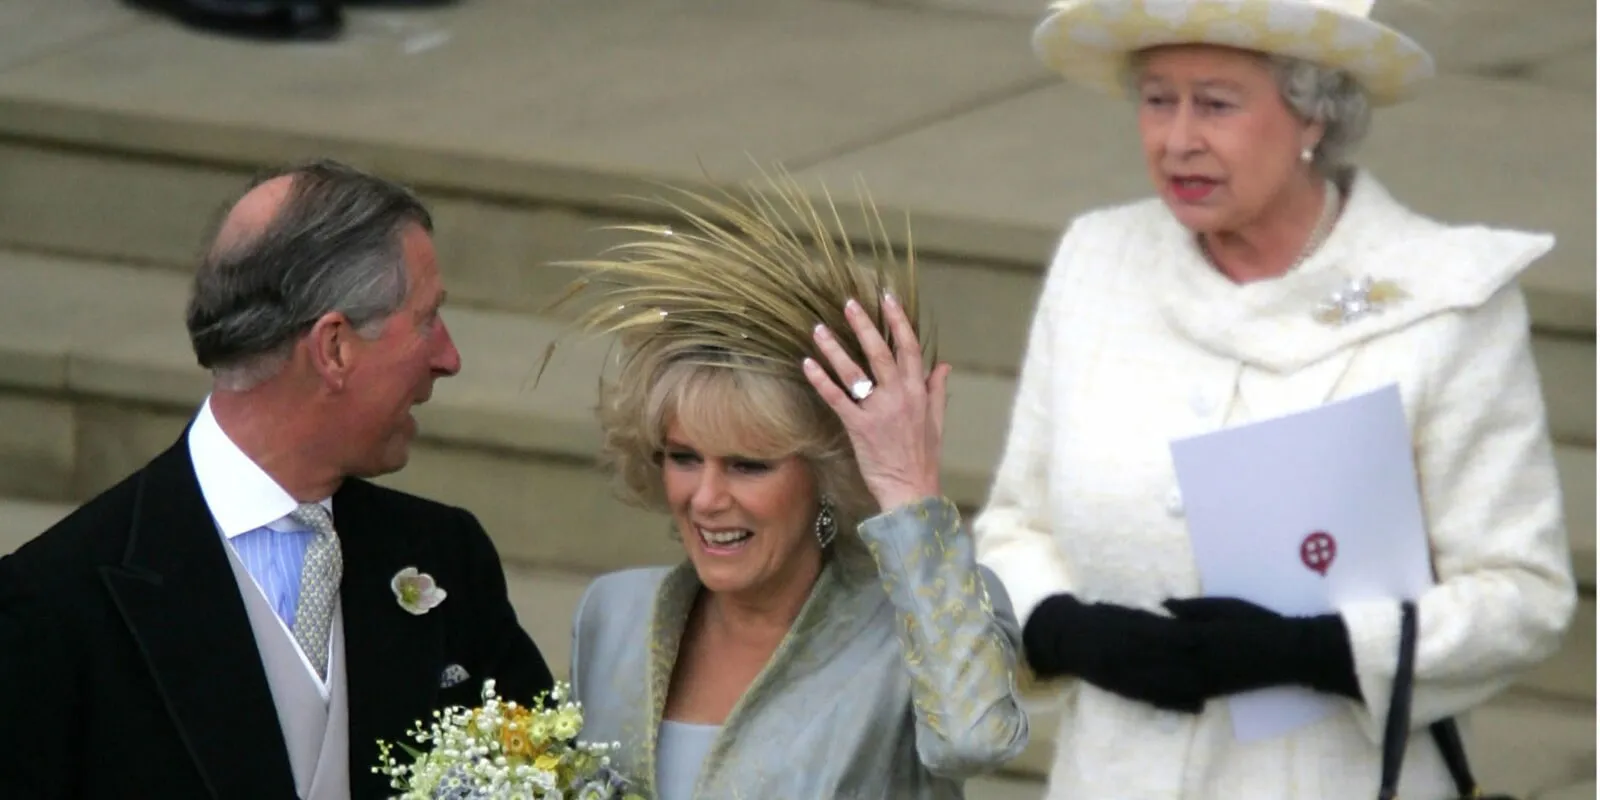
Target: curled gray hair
[(334, 246), (1316, 94), (1331, 97)]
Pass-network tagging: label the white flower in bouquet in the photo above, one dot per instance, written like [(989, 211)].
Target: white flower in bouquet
[(505, 750)]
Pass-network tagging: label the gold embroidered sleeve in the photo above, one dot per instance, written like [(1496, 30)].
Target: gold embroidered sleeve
[(960, 640)]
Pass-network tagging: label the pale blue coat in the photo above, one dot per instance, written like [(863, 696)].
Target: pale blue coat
[(896, 680)]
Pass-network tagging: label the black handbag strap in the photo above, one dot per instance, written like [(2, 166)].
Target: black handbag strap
[(1397, 725), (1448, 737)]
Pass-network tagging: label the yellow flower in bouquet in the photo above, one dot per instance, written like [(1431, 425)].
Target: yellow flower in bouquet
[(505, 750), (515, 742)]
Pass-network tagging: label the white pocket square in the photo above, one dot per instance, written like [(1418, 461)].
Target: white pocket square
[(453, 675)]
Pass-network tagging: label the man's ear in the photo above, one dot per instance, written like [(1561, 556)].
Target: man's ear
[(331, 348)]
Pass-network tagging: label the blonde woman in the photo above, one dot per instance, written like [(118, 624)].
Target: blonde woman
[(829, 633)]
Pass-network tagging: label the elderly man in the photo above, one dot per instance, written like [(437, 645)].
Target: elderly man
[(233, 620)]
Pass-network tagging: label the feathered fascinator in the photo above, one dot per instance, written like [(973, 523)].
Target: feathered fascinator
[(745, 279)]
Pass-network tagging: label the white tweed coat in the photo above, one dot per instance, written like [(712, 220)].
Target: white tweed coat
[(1137, 341)]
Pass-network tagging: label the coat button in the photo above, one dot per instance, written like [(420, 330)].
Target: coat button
[(1201, 403), (1175, 502)]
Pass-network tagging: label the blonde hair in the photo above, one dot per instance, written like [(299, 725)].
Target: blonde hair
[(724, 410), (714, 321)]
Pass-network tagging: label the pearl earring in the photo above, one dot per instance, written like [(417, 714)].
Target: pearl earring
[(1306, 154)]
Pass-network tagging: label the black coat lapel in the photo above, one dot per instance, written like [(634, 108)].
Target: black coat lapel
[(178, 596), (392, 657)]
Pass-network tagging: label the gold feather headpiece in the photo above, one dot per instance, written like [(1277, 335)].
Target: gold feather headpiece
[(745, 279)]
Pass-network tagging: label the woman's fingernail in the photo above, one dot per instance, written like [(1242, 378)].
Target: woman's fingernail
[(820, 330), (888, 298), (852, 305), (808, 363)]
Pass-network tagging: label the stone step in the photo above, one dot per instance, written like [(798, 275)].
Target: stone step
[(496, 254), (1570, 672), (96, 377), (1530, 747), (99, 374), (1524, 741), (1585, 790), (949, 115), (21, 520), (1521, 741), (1577, 468), (120, 136), (1006, 786)]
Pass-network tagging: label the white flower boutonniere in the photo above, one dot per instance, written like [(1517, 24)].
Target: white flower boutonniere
[(416, 591)]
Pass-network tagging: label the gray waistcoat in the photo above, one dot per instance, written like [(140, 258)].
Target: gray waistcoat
[(317, 734)]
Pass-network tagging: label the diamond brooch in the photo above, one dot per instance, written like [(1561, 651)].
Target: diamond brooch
[(1358, 298)]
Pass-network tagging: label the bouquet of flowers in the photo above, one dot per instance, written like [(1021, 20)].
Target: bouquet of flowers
[(503, 750)]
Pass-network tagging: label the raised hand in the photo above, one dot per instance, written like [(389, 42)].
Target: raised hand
[(893, 416)]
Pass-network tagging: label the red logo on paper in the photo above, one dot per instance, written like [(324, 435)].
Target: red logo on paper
[(1318, 551)]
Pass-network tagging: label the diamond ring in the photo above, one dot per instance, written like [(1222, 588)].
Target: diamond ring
[(861, 389)]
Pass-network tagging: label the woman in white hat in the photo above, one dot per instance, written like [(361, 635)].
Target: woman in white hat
[(1267, 277)]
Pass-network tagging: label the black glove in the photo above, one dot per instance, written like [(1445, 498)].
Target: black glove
[(1137, 654), (1243, 646)]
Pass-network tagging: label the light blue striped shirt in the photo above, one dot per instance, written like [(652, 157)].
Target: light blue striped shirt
[(252, 513), (274, 558)]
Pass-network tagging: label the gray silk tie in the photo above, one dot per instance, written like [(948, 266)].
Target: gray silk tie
[(319, 586)]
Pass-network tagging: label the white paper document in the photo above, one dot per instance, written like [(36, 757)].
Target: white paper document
[(1301, 514)]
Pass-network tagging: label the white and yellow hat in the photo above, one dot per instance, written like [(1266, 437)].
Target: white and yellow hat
[(1089, 41)]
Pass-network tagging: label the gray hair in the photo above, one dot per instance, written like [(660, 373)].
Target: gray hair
[(1316, 94), (1331, 97), (333, 246)]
